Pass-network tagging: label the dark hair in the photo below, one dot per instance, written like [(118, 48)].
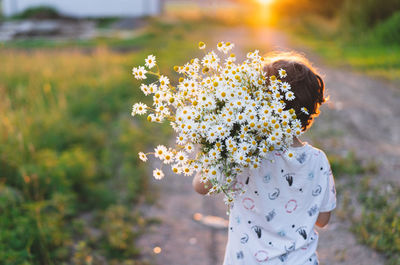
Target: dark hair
[(306, 84)]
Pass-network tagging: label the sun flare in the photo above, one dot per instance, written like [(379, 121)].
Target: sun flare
[(265, 2)]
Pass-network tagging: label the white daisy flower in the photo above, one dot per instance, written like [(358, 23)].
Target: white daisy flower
[(282, 73), (204, 178), (181, 157), (145, 89), (305, 110), (150, 61), (135, 72), (168, 157), (285, 86), (189, 147), (187, 170), (143, 156), (229, 46), (164, 81), (139, 108), (214, 153), (158, 174), (202, 45), (176, 168), (289, 96), (220, 46), (139, 72), (289, 154), (153, 88), (160, 151)]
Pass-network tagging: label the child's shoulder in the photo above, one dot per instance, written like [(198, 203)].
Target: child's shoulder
[(309, 154), (317, 160), (306, 156), (316, 152)]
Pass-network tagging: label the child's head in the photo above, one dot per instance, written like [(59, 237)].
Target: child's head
[(306, 84)]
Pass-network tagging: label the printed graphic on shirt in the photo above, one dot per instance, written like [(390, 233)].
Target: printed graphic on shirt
[(313, 210), (240, 255), (317, 190), (261, 256), (301, 158), (274, 194), (270, 215), (248, 203), (302, 232), (291, 206), (257, 230), (244, 238), (289, 178), (267, 178)]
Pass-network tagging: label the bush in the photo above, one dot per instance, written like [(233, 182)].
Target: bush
[(117, 223), (40, 12), (35, 233), (388, 31), (379, 225), (361, 15)]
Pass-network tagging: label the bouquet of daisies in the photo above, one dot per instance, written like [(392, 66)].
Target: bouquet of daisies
[(233, 112)]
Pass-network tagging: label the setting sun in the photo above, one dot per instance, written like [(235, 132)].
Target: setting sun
[(265, 2)]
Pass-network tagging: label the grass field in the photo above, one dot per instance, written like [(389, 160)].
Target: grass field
[(375, 60), (70, 180)]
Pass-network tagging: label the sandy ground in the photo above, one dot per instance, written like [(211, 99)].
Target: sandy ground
[(363, 116)]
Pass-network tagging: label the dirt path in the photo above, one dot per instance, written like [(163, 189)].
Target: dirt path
[(363, 116)]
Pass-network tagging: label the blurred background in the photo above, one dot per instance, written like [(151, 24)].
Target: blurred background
[(72, 189)]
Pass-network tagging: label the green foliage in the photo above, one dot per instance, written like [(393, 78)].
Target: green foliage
[(105, 22), (379, 225), (346, 165), (359, 15), (31, 231), (117, 224), (388, 31), (40, 12)]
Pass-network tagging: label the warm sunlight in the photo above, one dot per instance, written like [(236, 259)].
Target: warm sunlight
[(265, 2), (264, 14)]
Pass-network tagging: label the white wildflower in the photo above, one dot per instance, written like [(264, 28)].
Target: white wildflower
[(305, 110), (282, 73), (150, 61), (143, 156), (139, 72), (289, 96), (160, 151), (139, 108), (158, 174)]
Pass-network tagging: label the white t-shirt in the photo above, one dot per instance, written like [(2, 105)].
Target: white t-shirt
[(273, 221)]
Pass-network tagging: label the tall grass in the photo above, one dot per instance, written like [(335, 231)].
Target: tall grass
[(68, 149), (379, 224), (374, 50)]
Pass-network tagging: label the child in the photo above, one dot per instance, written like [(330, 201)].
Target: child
[(273, 221)]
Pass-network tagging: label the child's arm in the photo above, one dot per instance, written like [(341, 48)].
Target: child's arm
[(323, 219), (200, 187)]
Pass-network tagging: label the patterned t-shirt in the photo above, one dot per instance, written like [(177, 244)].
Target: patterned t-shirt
[(273, 221)]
